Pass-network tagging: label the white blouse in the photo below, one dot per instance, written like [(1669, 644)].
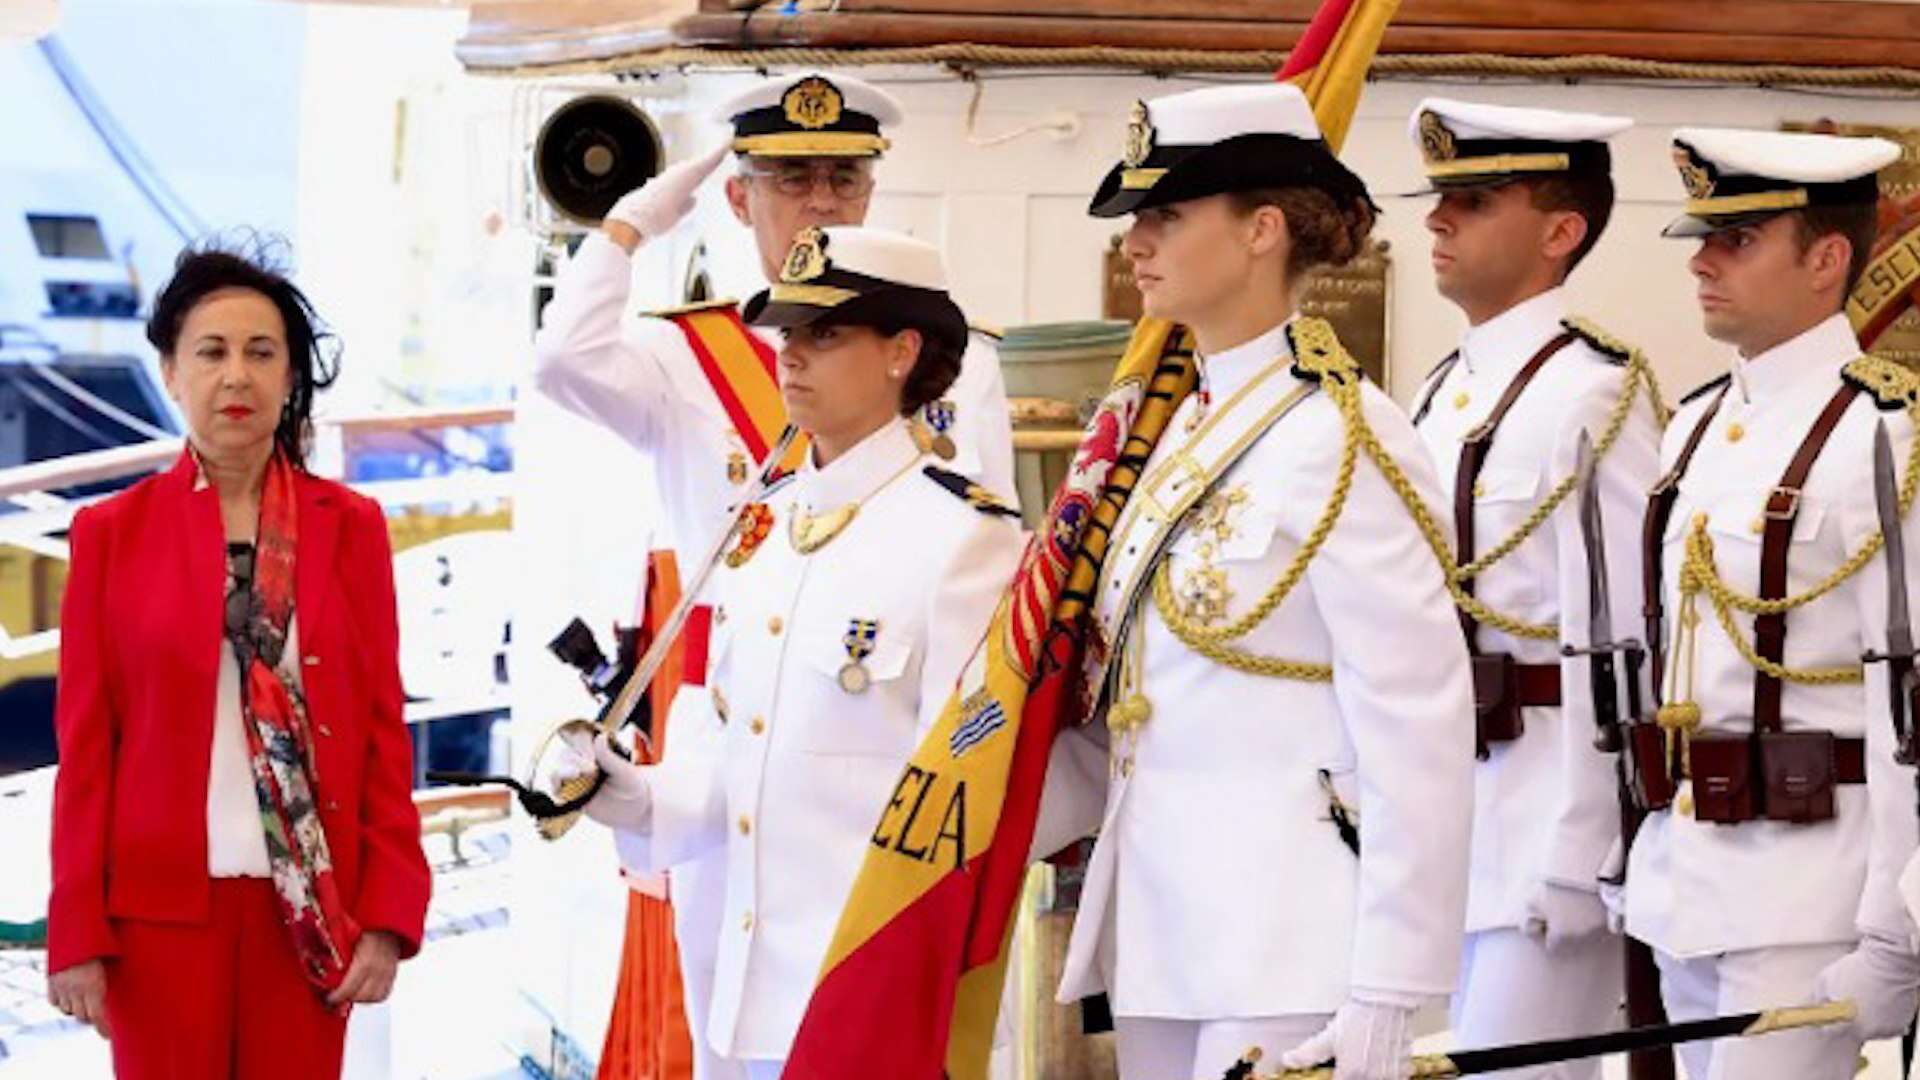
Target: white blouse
[(236, 837)]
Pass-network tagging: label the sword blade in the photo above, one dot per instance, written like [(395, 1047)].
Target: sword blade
[(1593, 534), (1886, 500), (622, 708)]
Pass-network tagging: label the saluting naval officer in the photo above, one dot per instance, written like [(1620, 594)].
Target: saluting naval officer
[(1524, 194), (1280, 650), (1779, 820), (806, 146), (857, 594)]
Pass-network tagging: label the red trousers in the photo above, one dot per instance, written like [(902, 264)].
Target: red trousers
[(224, 1000)]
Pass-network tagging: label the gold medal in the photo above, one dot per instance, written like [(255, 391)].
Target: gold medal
[(736, 468), (811, 532), (854, 678)]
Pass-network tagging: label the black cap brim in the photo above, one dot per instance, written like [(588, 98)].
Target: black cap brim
[(1691, 227), (1242, 163), (932, 313)]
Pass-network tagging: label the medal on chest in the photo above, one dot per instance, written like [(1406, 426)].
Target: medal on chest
[(854, 676), (756, 522)]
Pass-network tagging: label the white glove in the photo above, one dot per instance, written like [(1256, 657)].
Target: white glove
[(1910, 896), (625, 801), (658, 205), (1880, 978), (1561, 914), (1367, 1040), (1613, 897)]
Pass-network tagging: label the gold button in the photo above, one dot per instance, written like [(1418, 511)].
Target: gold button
[(1479, 491), (1735, 432), (1206, 551), (1683, 804), (1460, 400), (310, 660), (1757, 525), (773, 626), (757, 726), (746, 826), (746, 921)]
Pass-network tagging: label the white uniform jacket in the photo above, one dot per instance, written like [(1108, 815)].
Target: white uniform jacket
[(1546, 805), (806, 766), (1697, 888), (1219, 887)]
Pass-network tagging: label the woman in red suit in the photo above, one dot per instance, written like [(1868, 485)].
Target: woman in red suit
[(236, 855)]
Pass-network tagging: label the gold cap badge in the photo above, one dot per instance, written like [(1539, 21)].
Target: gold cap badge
[(1139, 136), (1694, 173), (807, 259), (813, 103), (1436, 139)]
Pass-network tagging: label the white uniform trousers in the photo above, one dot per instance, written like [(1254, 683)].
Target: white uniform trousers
[(1747, 981), (1513, 990), (1153, 1048), (699, 894)]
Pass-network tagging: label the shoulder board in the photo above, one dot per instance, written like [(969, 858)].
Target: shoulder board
[(1317, 353), (1611, 349), (1706, 388), (994, 332), (976, 496), (693, 308), (1892, 386)]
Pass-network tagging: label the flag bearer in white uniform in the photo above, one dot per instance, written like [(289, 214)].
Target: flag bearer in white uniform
[(1280, 651), (1524, 194), (806, 146), (1779, 819), (863, 587)]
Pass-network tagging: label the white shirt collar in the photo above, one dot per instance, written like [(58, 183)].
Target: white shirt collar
[(861, 470), (1820, 351), (1225, 372), (1502, 345)]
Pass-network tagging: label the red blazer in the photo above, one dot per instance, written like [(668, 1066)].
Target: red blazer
[(141, 631)]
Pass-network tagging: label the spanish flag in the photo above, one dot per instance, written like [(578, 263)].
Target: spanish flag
[(911, 984)]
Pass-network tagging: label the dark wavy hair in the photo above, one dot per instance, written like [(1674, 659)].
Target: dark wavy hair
[(257, 264)]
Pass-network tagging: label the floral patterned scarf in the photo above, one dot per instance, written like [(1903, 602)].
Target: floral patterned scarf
[(280, 743)]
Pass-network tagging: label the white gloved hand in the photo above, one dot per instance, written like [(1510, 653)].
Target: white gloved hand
[(1880, 978), (625, 801), (1613, 897), (1561, 914), (1367, 1040), (657, 206)]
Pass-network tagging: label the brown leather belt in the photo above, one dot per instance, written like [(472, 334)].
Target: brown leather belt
[(1776, 776)]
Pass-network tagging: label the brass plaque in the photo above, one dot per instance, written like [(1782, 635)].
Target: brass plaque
[(1352, 298), (1896, 265), (1118, 298)]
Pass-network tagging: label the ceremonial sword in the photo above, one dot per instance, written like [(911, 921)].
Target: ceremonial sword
[(556, 813), (1550, 1051), (1898, 657)]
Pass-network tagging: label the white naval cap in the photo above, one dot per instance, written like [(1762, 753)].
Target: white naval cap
[(1219, 139), (854, 272), (1734, 176), (811, 114), (1471, 144)]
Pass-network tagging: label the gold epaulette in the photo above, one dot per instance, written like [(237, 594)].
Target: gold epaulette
[(1610, 348), (973, 494), (1892, 385), (693, 308), (1318, 355)]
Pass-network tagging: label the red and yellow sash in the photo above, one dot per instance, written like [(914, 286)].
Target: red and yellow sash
[(740, 368)]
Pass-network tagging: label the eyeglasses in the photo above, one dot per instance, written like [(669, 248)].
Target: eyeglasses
[(845, 181)]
